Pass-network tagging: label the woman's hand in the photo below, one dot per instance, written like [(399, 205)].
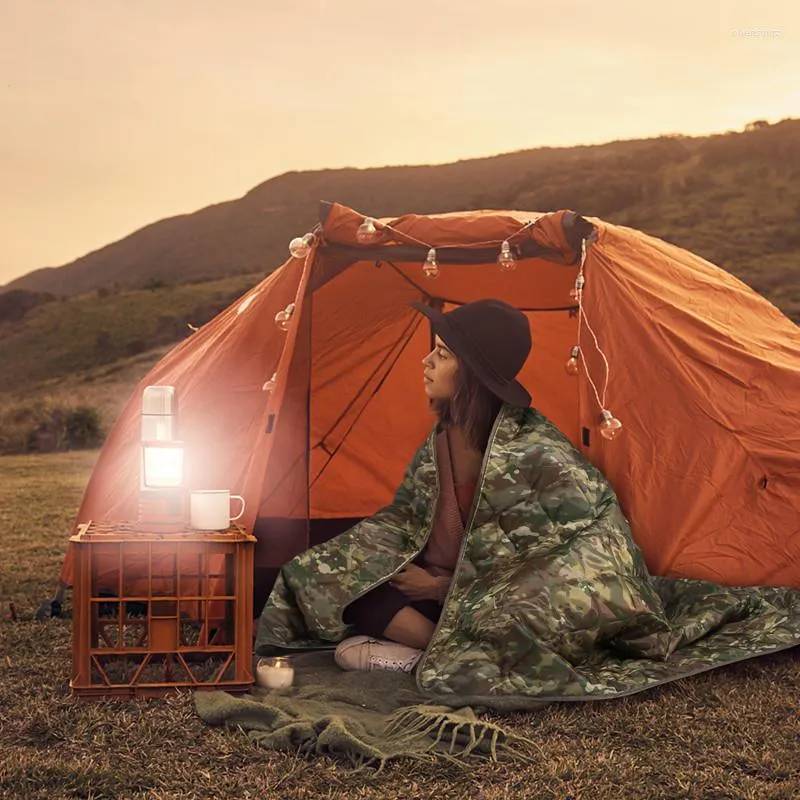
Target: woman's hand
[(416, 583)]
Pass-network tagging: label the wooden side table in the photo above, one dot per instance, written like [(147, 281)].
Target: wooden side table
[(155, 612)]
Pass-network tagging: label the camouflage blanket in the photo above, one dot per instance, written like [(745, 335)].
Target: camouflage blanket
[(551, 599)]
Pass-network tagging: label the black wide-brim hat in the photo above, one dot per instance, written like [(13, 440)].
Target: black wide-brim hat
[(492, 338)]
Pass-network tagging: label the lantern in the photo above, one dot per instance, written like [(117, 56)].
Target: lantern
[(161, 472)]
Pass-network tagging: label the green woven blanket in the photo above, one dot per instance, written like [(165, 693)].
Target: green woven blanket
[(362, 718)]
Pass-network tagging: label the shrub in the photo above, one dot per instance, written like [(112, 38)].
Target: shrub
[(102, 342), (16, 303), (169, 328), (49, 426), (135, 347), (83, 428)]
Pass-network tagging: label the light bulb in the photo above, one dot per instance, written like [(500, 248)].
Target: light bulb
[(572, 365), (283, 319), (431, 267), (269, 386), (610, 426), (577, 289), (506, 258), (162, 465), (301, 245), (367, 232)]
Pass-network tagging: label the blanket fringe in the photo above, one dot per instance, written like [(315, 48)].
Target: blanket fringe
[(453, 735)]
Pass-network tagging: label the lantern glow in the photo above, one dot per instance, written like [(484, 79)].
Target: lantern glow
[(162, 465), (162, 453)]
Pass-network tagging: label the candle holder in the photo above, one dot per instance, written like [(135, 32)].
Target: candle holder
[(275, 672)]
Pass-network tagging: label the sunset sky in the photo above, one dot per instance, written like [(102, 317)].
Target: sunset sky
[(117, 113)]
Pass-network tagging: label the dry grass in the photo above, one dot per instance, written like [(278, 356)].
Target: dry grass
[(731, 733)]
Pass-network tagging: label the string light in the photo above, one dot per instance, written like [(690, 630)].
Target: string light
[(269, 386), (300, 246), (367, 233), (404, 236), (610, 426), (431, 266), (506, 258), (283, 319), (572, 364), (368, 228)]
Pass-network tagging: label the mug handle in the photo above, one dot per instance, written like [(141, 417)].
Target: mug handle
[(241, 500)]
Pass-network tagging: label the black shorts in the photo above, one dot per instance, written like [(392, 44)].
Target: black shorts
[(372, 613)]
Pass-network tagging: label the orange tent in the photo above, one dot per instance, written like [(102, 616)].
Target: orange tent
[(703, 373)]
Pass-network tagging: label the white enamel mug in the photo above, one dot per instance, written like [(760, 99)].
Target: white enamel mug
[(210, 509)]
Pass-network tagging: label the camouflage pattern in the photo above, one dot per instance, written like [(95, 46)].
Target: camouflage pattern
[(551, 599)]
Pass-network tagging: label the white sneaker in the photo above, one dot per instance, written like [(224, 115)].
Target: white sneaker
[(363, 654)]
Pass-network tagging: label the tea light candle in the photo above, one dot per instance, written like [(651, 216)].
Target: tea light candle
[(275, 673)]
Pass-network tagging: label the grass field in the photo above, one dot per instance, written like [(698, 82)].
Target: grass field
[(731, 733)]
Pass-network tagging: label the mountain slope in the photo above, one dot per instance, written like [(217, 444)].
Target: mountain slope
[(60, 338), (733, 199)]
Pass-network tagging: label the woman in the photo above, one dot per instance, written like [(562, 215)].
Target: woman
[(479, 350), (502, 565)]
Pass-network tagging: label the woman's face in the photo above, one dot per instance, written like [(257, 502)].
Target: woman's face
[(440, 372)]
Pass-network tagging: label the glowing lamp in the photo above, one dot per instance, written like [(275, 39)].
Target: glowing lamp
[(572, 366), (506, 259), (610, 426), (161, 473), (162, 465), (271, 383), (367, 232), (300, 246), (283, 319), (431, 266), (162, 454)]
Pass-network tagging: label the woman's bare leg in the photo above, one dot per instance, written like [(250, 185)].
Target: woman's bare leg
[(410, 628)]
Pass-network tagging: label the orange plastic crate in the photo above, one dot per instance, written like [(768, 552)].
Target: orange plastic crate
[(155, 612)]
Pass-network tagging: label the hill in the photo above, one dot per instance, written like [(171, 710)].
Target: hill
[(67, 366), (732, 198), (60, 337)]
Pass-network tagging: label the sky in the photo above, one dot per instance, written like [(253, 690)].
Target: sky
[(118, 113)]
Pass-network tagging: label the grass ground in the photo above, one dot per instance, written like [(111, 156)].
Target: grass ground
[(731, 733)]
